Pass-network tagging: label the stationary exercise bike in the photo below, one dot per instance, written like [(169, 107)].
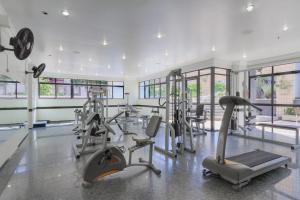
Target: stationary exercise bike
[(111, 160)]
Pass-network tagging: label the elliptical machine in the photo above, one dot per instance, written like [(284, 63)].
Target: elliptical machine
[(177, 126)]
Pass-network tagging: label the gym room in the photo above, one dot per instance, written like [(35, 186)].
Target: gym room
[(149, 99)]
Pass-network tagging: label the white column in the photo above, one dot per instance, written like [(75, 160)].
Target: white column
[(297, 85), (31, 99), (29, 80)]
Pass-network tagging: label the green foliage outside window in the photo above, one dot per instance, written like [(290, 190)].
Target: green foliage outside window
[(45, 90), (290, 111), (220, 88), (192, 87), (151, 91)]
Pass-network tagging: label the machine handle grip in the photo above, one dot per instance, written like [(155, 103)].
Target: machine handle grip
[(159, 103)]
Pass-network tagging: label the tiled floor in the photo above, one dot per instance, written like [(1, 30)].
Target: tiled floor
[(48, 170)]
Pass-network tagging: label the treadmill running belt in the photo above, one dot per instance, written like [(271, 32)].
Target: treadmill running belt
[(254, 158)]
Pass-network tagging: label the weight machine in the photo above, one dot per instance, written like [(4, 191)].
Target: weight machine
[(177, 128)]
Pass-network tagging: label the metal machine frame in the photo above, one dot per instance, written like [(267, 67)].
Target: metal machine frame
[(94, 130), (176, 105)]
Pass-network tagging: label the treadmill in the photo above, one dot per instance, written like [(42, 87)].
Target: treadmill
[(239, 169)]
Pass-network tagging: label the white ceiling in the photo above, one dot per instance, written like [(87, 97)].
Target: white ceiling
[(190, 29)]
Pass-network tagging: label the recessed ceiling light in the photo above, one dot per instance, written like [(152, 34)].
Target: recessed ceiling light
[(244, 55), (61, 48), (124, 57), (81, 68), (213, 49), (250, 7), (108, 66), (90, 59), (159, 35), (104, 43), (65, 12), (59, 61), (166, 53), (9, 185), (285, 28)]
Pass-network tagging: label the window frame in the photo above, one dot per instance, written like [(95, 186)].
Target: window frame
[(273, 75), (15, 96), (84, 83)]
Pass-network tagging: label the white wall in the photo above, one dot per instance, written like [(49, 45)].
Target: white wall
[(13, 116), (59, 114)]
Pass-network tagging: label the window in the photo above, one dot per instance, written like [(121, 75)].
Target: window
[(142, 90), (151, 92), (205, 71), (276, 89), (192, 89), (109, 92), (47, 87), (7, 89), (147, 92), (261, 89), (11, 89), (21, 90), (220, 87), (47, 90), (192, 74), (63, 91), (118, 90), (80, 91), (205, 89), (201, 87), (157, 91), (163, 90), (77, 88), (150, 89), (63, 88)]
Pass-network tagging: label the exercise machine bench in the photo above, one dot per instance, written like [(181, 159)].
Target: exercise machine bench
[(280, 126)]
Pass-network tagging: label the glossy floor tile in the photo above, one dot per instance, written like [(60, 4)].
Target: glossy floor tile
[(48, 170)]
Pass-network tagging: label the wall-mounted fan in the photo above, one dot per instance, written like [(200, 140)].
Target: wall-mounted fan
[(22, 44), (37, 71)]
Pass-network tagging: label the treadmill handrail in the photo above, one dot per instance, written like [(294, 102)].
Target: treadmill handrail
[(237, 101)]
